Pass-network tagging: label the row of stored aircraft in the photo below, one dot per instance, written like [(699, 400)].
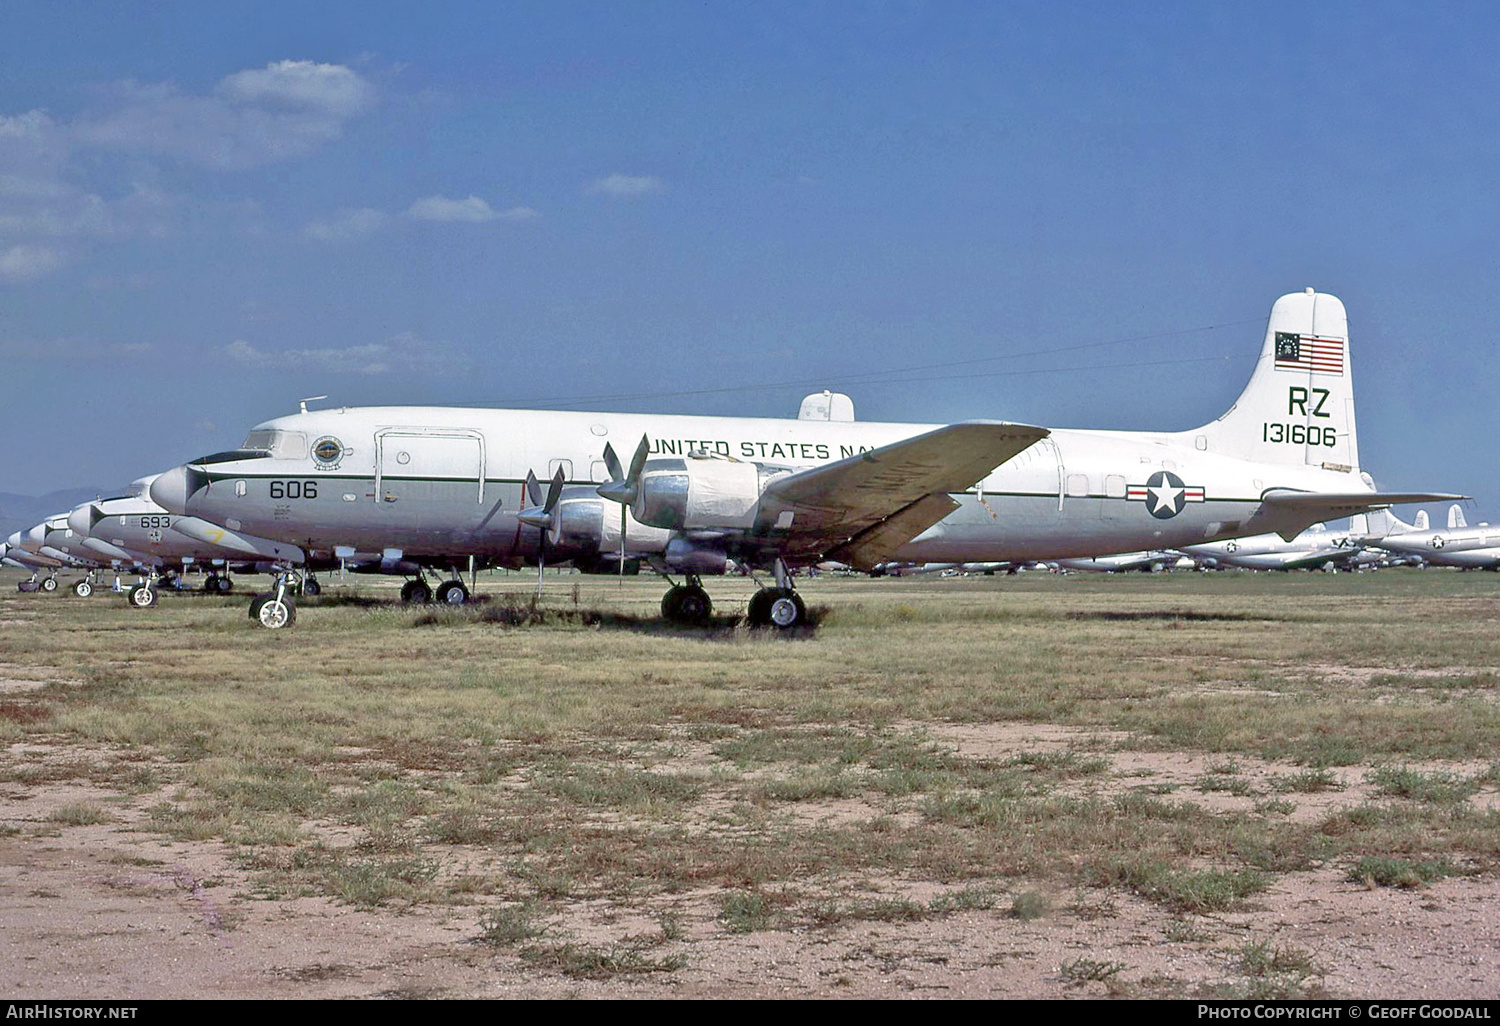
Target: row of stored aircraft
[(1370, 541), (418, 489)]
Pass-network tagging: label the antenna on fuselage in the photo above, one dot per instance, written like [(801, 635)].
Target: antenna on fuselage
[(310, 399)]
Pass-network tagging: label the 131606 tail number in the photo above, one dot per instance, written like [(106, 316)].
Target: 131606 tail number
[(1299, 434)]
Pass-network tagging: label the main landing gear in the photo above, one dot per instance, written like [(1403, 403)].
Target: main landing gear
[(687, 603), (85, 587), (779, 606), (450, 593), (776, 606), (218, 584)]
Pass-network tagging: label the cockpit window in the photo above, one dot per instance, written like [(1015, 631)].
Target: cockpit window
[(282, 445)]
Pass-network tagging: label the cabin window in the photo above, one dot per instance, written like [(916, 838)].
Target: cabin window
[(1078, 485), (1114, 486), (565, 465)]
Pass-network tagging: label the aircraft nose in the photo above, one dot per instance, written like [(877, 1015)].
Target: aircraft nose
[(80, 520), (172, 490), (14, 541)]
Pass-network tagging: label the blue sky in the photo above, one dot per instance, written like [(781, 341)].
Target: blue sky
[(210, 211)]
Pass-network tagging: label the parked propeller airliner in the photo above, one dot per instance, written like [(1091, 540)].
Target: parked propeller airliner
[(134, 530), (700, 492), (1472, 548)]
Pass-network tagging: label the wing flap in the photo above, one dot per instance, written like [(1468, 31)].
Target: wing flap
[(876, 543)]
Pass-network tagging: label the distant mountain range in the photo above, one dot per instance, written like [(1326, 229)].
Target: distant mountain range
[(23, 512)]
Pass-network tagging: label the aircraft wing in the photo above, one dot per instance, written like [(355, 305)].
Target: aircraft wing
[(1312, 507), (861, 509)]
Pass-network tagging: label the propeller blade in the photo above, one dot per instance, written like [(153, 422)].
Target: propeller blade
[(625, 490), (638, 462), (612, 463), (554, 492), (533, 489)]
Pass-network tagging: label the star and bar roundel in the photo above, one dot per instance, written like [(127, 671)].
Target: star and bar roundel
[(1164, 494)]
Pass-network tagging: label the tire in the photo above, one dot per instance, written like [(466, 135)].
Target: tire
[(311, 588), (83, 589), (50, 584), (142, 596), (223, 585), (759, 613), (452, 593), (274, 613), (788, 611), (211, 583), (259, 601), (416, 593), (687, 605)]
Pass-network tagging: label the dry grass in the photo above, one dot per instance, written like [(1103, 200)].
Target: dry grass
[(581, 750)]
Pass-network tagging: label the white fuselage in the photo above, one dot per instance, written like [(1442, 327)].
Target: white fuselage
[(1473, 548), (437, 483)]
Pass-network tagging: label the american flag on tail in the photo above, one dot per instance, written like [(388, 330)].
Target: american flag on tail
[(1309, 353)]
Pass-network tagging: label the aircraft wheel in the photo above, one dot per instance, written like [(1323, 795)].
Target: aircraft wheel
[(211, 582), (259, 601), (142, 596), (788, 611), (223, 585), (83, 589), (759, 613), (453, 593), (311, 588), (686, 604), (50, 584), (416, 593), (275, 613)]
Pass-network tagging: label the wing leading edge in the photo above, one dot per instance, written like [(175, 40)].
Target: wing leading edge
[(864, 507)]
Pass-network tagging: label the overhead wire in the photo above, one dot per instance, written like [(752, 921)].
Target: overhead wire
[(896, 375)]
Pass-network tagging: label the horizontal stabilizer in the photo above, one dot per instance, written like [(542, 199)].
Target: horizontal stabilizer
[(1311, 507)]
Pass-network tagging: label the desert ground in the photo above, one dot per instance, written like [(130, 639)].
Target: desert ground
[(1042, 786)]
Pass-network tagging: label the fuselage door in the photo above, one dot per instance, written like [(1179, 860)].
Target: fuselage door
[(430, 465)]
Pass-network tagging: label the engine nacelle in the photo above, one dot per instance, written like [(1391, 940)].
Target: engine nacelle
[(699, 493), (586, 524), (687, 556)]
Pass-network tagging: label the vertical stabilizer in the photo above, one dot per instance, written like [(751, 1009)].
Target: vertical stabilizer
[(1298, 408), (1456, 517), (1383, 523)]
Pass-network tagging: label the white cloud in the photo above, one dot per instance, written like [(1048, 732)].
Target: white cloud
[(253, 117), (368, 359), (405, 352), (26, 262), (331, 88), (346, 225), (624, 185), (468, 211)]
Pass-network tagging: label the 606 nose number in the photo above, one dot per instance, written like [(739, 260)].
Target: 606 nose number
[(294, 489)]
